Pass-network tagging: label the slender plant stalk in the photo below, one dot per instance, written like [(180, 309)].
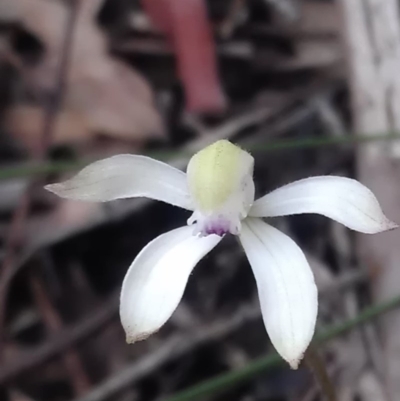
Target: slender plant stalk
[(232, 379), (49, 167), (51, 110), (318, 367)]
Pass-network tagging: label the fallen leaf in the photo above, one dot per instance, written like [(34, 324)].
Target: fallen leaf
[(25, 123), (109, 97)]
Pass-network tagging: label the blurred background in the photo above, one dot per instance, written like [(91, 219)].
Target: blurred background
[(309, 87)]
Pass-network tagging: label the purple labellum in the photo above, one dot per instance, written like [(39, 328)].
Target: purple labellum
[(218, 227), (216, 230)]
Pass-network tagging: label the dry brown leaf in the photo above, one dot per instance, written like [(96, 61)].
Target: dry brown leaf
[(112, 98), (26, 124)]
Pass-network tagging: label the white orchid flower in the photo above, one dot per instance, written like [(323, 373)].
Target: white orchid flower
[(219, 189)]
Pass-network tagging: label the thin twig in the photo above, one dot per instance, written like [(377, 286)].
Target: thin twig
[(317, 366), (172, 349), (99, 319), (52, 320), (230, 380), (71, 335), (179, 345), (11, 247), (52, 108), (313, 391)]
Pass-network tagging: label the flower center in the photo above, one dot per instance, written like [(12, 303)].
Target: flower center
[(220, 179), (218, 224)]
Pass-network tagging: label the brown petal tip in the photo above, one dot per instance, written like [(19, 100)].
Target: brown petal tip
[(131, 339)]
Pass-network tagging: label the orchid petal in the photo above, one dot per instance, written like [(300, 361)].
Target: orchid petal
[(342, 199), (156, 280), (127, 176), (286, 288)]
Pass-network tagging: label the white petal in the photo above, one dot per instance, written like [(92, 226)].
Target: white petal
[(286, 287), (342, 199), (127, 176), (156, 280)]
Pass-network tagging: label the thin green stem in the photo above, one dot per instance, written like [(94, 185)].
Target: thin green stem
[(232, 379), (48, 167), (40, 168)]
